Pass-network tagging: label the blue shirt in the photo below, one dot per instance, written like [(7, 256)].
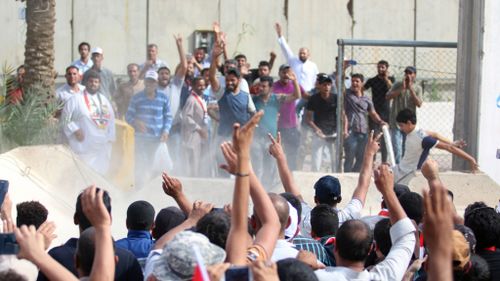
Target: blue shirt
[(154, 113), (139, 242), (269, 122), (232, 109)]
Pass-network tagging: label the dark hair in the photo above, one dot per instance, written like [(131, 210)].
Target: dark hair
[(324, 221), (359, 76), (31, 213), (203, 70), (484, 222), (85, 250), (406, 115), (71, 67), (412, 203), (384, 62), (354, 240), (83, 44), (215, 225), (292, 269), (264, 63), (479, 270), (294, 201), (167, 219), (240, 56), (382, 236), (11, 275), (92, 74), (196, 79), (267, 79), (83, 222), (140, 215)]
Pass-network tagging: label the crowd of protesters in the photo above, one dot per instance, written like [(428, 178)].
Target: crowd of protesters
[(250, 124)]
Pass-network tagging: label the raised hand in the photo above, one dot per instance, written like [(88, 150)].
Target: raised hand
[(200, 209), (47, 231), (171, 186), (31, 245), (216, 27), (178, 39), (242, 136), (94, 209), (277, 27), (384, 178), (275, 148), (373, 144), (231, 158), (291, 75)]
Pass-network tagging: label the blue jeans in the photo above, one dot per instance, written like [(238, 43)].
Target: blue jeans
[(354, 147), (398, 144)]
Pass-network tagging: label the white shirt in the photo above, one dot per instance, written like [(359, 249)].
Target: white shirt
[(82, 67), (284, 250), (350, 212), (155, 66), (393, 267), (153, 256), (64, 93), (173, 92), (417, 147), (306, 71), (93, 115)]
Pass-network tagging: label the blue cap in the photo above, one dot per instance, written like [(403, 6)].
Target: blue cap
[(327, 187), (411, 69)]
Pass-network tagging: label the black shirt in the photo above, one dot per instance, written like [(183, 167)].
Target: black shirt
[(493, 260), (379, 90), (127, 268), (325, 112)]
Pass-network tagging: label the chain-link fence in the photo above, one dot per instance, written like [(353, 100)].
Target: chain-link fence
[(436, 74)]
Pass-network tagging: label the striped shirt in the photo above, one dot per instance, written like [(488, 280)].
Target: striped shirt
[(154, 113)]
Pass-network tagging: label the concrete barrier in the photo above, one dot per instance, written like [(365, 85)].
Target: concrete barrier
[(55, 176)]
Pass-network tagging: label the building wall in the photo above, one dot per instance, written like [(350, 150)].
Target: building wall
[(122, 27), (489, 108)]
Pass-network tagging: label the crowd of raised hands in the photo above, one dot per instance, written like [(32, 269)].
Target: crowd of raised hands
[(254, 249)]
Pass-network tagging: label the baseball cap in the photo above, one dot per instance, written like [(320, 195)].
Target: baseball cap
[(461, 252), (284, 66), (323, 77), (151, 74), (178, 259), (291, 230), (327, 187), (411, 69), (97, 50), (234, 71)]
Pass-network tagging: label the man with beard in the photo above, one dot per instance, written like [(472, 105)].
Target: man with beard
[(194, 129), (270, 102), (89, 124), (84, 63), (235, 105), (150, 115), (72, 87), (380, 84)]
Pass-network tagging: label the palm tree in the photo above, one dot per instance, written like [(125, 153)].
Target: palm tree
[(39, 48)]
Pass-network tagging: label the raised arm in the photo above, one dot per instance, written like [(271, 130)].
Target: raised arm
[(460, 153), (103, 267), (212, 72), (286, 176), (287, 52), (173, 188), (181, 71), (372, 146)]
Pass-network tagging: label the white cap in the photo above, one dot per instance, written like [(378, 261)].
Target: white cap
[(151, 74), (291, 230), (96, 50)]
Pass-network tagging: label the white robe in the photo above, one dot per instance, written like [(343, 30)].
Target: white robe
[(97, 121)]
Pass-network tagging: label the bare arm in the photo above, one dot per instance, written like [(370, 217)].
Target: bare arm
[(413, 94), (460, 153), (199, 210), (296, 87), (375, 117), (365, 175), (286, 176), (181, 71), (272, 58), (212, 72), (384, 180), (173, 188), (310, 122)]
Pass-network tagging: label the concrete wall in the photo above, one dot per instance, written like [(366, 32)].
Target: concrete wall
[(489, 108), (122, 27)]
